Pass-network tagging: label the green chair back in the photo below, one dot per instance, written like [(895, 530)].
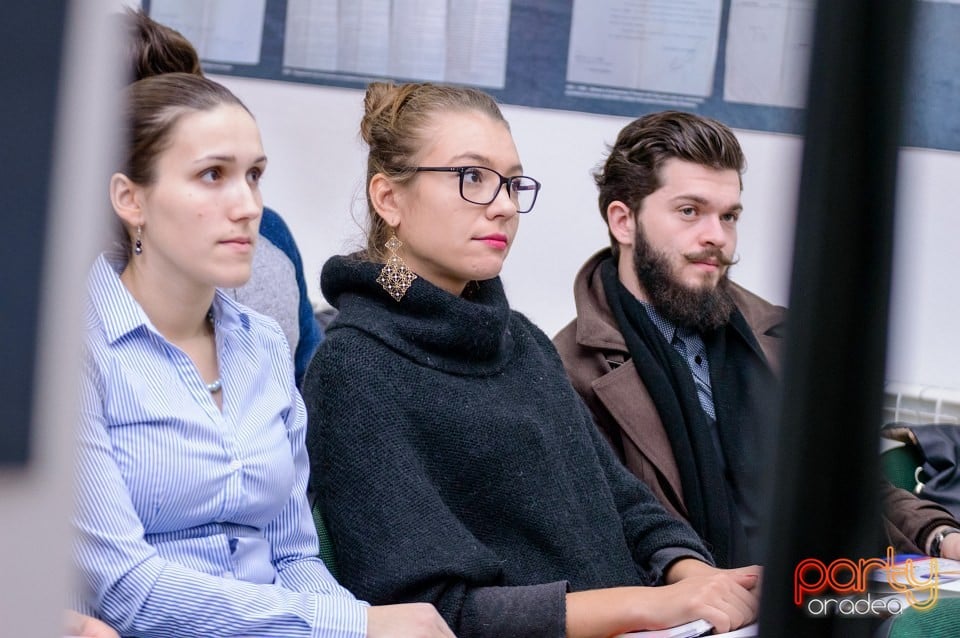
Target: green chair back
[(900, 466), (942, 620), (326, 543)]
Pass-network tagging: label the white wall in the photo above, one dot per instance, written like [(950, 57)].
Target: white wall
[(925, 344), (315, 180)]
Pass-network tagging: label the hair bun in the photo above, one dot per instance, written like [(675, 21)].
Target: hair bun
[(156, 49)]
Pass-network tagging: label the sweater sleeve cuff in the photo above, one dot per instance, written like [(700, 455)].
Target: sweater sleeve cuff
[(663, 558), (533, 611)]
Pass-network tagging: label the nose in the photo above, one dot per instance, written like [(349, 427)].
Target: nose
[(502, 205), (712, 231), (248, 202)]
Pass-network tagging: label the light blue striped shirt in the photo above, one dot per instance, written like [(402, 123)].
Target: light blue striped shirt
[(191, 521)]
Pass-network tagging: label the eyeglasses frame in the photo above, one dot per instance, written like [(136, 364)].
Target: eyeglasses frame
[(461, 170)]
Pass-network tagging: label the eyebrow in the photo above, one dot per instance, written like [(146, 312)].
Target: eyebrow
[(703, 201), (229, 159), (483, 160)]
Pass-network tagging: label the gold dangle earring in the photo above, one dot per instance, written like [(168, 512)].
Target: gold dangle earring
[(395, 277), (138, 244)]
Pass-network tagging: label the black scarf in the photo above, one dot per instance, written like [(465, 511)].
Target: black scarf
[(744, 390)]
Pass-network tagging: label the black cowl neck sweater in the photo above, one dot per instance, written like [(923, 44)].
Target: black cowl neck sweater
[(455, 464)]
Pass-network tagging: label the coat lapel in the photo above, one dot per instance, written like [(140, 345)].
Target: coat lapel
[(628, 401)]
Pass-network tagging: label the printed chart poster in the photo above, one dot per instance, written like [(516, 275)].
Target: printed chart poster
[(462, 42), (634, 49), (226, 31), (768, 52), (744, 62)]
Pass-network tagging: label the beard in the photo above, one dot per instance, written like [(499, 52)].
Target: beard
[(699, 309)]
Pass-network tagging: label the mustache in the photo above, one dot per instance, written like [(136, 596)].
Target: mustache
[(713, 254)]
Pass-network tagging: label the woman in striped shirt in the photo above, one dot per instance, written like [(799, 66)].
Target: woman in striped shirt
[(192, 518)]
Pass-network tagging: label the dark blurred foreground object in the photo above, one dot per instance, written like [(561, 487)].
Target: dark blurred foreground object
[(836, 346), (30, 47)]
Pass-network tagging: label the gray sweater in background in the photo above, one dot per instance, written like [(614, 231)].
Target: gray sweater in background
[(277, 288)]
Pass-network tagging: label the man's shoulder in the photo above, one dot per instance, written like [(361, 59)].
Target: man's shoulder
[(583, 362), (760, 314), (593, 327), (747, 296), (566, 338)]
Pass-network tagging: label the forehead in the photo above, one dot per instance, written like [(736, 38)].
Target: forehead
[(227, 129), (469, 136), (680, 178)]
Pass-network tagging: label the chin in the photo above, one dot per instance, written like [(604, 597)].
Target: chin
[(235, 278), (701, 282), (482, 274), (494, 265)]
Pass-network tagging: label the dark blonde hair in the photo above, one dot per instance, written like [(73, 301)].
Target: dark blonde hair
[(395, 125), (632, 169)]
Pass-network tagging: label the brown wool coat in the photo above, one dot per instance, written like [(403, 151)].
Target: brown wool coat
[(596, 359)]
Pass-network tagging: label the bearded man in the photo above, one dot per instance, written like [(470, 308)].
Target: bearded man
[(678, 363)]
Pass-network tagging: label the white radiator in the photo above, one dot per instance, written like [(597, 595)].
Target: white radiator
[(920, 404)]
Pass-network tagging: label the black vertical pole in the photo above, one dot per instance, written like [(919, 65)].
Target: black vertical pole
[(825, 490), (30, 51)]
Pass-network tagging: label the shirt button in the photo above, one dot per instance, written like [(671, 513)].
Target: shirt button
[(235, 465)]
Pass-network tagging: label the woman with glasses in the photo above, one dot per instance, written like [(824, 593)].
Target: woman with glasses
[(452, 460)]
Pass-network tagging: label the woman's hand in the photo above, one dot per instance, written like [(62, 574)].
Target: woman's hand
[(687, 567), (80, 625), (413, 620), (726, 598)]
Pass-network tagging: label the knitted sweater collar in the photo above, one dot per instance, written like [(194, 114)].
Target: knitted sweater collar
[(466, 335)]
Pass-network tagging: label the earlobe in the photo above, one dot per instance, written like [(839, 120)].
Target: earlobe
[(622, 222), (383, 197), (125, 198)]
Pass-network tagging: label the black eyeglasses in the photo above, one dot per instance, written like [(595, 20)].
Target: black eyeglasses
[(481, 185)]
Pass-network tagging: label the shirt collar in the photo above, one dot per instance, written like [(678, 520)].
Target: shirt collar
[(228, 314), (120, 314), (666, 327)]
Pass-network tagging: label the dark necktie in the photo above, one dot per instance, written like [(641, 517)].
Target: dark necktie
[(696, 356)]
